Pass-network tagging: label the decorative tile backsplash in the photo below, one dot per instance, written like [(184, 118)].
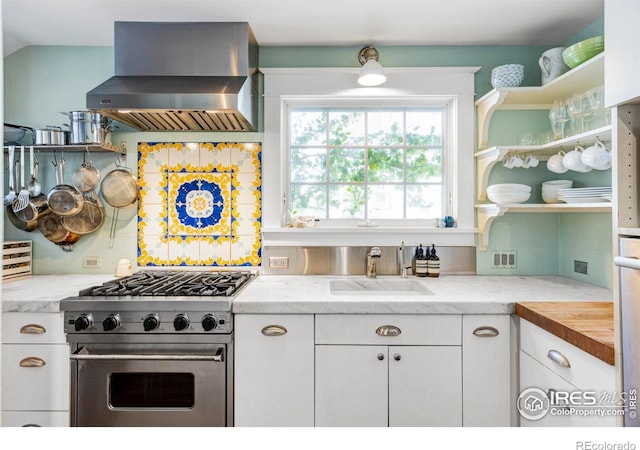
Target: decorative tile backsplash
[(200, 204)]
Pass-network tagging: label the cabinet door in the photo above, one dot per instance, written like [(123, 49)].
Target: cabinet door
[(274, 370), (35, 418), (35, 377), (351, 386), (425, 386), (486, 370), (622, 64)]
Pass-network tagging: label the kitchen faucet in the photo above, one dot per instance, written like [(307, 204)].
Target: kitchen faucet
[(372, 258), (403, 269)]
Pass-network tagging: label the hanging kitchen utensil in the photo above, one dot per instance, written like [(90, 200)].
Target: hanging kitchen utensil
[(86, 178), (88, 220), (35, 189), (52, 228), (120, 190), (11, 195), (22, 200), (27, 218), (63, 199)]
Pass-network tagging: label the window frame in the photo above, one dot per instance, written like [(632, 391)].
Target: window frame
[(447, 103), (286, 85)]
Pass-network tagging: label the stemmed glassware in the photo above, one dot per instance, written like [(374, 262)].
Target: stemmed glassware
[(579, 108), (559, 115)]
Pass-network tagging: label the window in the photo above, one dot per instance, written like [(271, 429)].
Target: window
[(379, 163)]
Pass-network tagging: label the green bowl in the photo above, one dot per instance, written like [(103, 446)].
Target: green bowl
[(582, 51)]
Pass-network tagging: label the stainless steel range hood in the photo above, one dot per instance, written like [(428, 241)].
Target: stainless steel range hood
[(182, 76)]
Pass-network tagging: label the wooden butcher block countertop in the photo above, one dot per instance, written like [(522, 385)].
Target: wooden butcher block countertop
[(587, 325)]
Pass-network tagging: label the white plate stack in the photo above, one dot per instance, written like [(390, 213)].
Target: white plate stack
[(585, 195)]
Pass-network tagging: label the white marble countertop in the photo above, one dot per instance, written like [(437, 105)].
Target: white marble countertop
[(42, 293), (451, 295), (309, 294)]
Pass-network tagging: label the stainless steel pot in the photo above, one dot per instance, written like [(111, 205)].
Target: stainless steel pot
[(88, 127), (50, 136)]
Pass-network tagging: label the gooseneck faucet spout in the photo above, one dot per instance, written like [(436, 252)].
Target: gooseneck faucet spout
[(372, 257)]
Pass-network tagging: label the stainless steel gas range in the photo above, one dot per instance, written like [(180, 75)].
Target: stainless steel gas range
[(154, 349)]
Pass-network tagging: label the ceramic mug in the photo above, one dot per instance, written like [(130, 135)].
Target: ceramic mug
[(597, 156), (555, 164), (573, 161), (512, 161), (552, 64), (530, 161)]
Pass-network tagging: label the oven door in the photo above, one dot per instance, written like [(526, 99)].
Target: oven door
[(149, 385)]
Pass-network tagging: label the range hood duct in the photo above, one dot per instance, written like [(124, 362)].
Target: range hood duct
[(182, 76)]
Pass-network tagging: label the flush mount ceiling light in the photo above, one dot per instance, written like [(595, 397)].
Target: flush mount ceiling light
[(372, 72)]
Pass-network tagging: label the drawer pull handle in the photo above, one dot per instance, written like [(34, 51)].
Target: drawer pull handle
[(33, 328), (486, 331), (558, 358), (32, 361), (274, 330), (388, 330), (380, 356)]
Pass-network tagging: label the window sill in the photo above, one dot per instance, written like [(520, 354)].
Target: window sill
[(359, 236)]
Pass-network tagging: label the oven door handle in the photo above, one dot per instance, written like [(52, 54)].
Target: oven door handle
[(218, 357)]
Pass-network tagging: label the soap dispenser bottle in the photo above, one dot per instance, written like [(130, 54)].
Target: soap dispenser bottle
[(421, 263), (415, 258), (433, 262)]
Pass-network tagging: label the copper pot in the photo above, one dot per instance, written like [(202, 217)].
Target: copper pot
[(52, 227)]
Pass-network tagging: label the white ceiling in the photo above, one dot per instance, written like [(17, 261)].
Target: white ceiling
[(310, 22)]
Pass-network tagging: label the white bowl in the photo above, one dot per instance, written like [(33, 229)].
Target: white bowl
[(557, 184), (508, 197), (550, 197), (508, 188)]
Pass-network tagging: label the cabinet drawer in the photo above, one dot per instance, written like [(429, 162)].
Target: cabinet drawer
[(573, 364), (35, 419), (40, 383), (533, 374), (391, 329), (32, 328)]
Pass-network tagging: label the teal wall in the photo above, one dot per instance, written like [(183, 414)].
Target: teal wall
[(40, 82)]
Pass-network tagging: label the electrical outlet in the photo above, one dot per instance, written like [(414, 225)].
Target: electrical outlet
[(91, 262), (503, 259), (580, 267), (279, 262)]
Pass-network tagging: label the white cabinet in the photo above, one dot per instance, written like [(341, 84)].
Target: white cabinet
[(35, 370), (553, 365), (622, 34), (486, 376), (379, 370), (274, 370)]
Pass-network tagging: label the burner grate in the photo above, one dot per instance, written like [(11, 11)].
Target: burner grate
[(165, 283)]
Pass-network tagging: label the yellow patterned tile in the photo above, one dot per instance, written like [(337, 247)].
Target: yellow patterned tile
[(246, 188), (153, 188), (152, 158), (184, 251), (246, 220), (184, 157), (152, 251), (215, 251), (246, 250), (215, 158), (245, 157)]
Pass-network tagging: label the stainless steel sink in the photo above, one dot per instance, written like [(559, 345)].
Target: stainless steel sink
[(378, 287)]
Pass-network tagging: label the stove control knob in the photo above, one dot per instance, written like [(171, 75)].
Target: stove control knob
[(111, 322), (82, 322), (151, 322), (180, 322), (209, 322)]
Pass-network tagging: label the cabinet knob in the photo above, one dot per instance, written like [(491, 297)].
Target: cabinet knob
[(274, 330), (558, 358), (486, 331), (33, 328), (388, 330), (381, 356), (32, 361), (397, 357)]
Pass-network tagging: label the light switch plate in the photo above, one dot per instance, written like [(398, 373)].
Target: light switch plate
[(503, 259)]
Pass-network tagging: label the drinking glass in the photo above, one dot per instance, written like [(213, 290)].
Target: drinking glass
[(558, 115), (578, 106)]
